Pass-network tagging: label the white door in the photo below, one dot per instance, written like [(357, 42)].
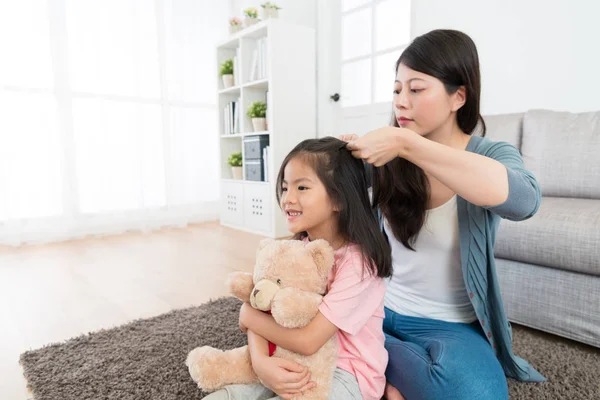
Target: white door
[(359, 44)]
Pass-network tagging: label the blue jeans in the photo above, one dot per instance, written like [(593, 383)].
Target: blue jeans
[(431, 359)]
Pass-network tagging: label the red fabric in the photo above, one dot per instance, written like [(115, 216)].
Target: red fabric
[(272, 346)]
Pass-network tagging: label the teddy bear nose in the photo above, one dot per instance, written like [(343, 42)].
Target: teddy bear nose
[(256, 291)]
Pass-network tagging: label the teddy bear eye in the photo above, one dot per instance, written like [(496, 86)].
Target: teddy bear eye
[(279, 281)]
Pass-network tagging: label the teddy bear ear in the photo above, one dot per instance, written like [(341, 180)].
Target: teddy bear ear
[(322, 253), (264, 243)]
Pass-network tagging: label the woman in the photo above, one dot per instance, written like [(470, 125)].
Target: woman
[(441, 192)]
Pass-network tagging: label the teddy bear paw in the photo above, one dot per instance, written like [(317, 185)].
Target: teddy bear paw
[(203, 364)]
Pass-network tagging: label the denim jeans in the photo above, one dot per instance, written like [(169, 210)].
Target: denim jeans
[(431, 359)]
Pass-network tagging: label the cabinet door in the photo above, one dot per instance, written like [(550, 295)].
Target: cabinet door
[(232, 203), (258, 207)]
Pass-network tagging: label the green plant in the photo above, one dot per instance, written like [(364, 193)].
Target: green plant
[(273, 6), (258, 109), (227, 67), (251, 12), (235, 159)]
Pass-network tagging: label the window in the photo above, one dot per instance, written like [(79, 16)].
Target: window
[(106, 107), (374, 33)]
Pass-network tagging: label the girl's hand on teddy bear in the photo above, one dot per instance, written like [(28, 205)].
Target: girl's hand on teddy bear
[(286, 378)]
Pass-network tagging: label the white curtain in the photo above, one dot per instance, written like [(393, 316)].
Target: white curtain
[(107, 116)]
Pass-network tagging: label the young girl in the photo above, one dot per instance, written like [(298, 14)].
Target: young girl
[(442, 192), (322, 189)]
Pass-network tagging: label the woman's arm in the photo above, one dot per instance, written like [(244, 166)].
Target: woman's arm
[(478, 179), (305, 341), (488, 181)]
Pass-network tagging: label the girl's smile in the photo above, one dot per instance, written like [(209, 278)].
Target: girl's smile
[(305, 201)]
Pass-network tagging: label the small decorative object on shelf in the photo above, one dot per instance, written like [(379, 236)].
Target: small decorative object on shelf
[(235, 162), (251, 16), (270, 10), (258, 112), (235, 24), (227, 73)]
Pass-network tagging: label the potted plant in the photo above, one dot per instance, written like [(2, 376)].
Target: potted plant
[(235, 162), (251, 16), (270, 10), (227, 73), (235, 24), (258, 112)]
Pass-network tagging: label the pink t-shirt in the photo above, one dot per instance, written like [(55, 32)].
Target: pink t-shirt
[(354, 303)]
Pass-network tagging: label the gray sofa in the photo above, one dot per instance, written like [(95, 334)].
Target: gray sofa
[(549, 265)]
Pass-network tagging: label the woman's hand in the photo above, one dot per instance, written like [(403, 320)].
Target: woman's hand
[(348, 137), (380, 146), (286, 378)]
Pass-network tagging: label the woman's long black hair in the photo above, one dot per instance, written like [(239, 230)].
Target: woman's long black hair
[(400, 188), (345, 180)]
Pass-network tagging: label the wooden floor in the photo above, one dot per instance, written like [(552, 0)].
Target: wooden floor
[(53, 292)]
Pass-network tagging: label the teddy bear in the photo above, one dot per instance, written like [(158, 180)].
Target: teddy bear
[(289, 281)]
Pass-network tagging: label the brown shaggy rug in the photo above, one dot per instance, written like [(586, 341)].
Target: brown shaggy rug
[(145, 359)]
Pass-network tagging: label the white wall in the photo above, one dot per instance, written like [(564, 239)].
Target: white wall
[(533, 53)]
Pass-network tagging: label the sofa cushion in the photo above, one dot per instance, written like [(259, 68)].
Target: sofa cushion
[(561, 302), (504, 128), (562, 150), (564, 233)]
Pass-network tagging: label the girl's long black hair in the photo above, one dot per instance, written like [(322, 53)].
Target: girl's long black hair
[(345, 180)]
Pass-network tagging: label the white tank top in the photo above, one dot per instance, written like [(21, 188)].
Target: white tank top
[(428, 282)]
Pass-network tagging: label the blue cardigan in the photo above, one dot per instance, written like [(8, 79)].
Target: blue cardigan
[(477, 228)]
